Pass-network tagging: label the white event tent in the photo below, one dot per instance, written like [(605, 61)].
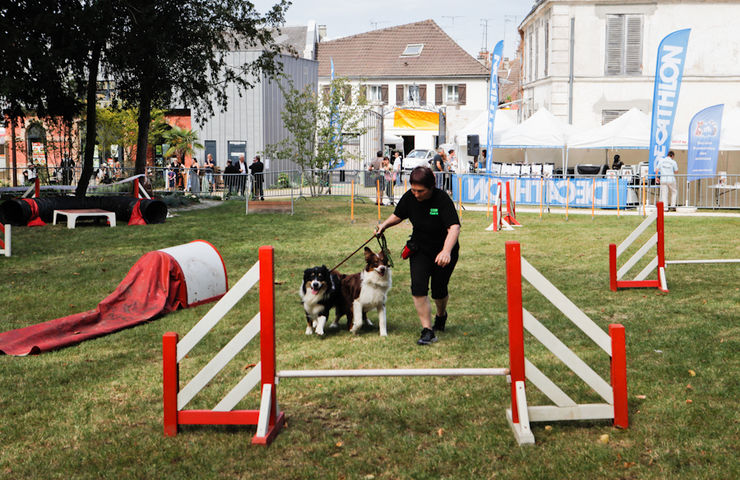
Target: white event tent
[(631, 130), (505, 119), (541, 130)]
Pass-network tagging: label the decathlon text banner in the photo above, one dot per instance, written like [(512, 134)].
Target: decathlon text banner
[(493, 101), (668, 75), (580, 192), (704, 132)]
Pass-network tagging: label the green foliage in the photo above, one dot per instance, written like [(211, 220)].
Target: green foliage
[(182, 141), (313, 143)]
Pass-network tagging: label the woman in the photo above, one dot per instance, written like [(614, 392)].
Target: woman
[(390, 179), (433, 246), (194, 177)]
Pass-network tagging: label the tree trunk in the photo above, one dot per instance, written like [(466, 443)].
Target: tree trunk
[(92, 87), (142, 140), (12, 151)]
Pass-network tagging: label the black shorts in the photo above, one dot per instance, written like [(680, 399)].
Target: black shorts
[(423, 268)]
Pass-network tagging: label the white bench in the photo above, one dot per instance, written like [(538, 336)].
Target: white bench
[(73, 215)]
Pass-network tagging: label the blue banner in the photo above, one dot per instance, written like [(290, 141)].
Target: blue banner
[(337, 160), (668, 75), (493, 101), (578, 192), (704, 133)]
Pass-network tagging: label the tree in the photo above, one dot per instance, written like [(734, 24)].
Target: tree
[(175, 52), (316, 127), (183, 142)]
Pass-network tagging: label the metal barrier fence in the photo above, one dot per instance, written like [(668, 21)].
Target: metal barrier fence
[(602, 192)]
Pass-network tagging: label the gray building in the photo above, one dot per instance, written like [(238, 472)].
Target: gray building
[(252, 120)]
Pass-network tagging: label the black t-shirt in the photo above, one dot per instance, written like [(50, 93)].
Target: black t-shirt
[(430, 219), (437, 163)]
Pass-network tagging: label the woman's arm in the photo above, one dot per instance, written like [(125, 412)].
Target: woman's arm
[(389, 222), (444, 257)]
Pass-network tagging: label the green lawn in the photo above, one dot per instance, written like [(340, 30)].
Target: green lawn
[(94, 410)]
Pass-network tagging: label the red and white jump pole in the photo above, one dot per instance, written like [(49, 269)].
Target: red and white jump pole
[(5, 231), (657, 240)]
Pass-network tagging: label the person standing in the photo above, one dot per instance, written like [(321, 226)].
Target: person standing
[(230, 175), (438, 167), (256, 169), (433, 247), (376, 166), (209, 166), (666, 169), (398, 166), (194, 177), (390, 179), (242, 175)]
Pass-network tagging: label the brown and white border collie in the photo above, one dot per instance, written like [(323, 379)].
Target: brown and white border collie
[(320, 292), (365, 291)]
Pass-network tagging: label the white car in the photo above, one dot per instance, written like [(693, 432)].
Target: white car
[(415, 158)]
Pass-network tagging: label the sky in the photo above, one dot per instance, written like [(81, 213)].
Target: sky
[(463, 20)]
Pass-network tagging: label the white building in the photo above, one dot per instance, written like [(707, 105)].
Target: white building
[(416, 67)]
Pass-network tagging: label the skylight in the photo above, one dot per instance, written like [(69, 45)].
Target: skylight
[(413, 50)]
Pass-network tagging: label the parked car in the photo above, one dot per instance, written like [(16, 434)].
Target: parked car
[(417, 157)]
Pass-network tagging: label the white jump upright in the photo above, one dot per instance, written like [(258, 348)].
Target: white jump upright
[(614, 393), (268, 418), (657, 240), (5, 230)]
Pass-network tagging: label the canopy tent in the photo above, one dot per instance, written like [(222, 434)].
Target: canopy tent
[(541, 130), (391, 139), (505, 119), (631, 130), (729, 139)]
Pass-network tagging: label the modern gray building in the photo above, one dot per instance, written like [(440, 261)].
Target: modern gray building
[(252, 120)]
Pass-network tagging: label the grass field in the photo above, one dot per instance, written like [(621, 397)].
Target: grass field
[(94, 410)]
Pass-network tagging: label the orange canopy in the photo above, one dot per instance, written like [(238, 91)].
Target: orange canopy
[(416, 119)]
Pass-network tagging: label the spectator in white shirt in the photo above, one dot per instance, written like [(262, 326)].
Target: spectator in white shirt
[(666, 168)]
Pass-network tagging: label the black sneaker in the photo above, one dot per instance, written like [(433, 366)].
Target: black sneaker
[(439, 322), (427, 337)]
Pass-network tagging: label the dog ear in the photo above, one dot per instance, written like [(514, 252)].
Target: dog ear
[(307, 273), (368, 253)]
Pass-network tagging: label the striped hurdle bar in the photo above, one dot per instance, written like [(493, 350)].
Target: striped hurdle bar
[(268, 419), (5, 239), (498, 223), (657, 240), (565, 408)]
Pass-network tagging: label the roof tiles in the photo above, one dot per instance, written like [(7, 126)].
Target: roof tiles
[(378, 54)]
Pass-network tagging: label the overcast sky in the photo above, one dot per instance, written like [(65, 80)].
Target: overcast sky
[(463, 20)]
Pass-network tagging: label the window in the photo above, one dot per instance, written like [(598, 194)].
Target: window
[(609, 115), (452, 95), (413, 50), (374, 94), (412, 94), (623, 45)]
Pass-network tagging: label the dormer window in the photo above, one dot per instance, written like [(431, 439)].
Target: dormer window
[(413, 50)]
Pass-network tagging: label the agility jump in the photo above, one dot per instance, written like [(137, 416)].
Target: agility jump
[(269, 420), (657, 240), (501, 221), (5, 237)]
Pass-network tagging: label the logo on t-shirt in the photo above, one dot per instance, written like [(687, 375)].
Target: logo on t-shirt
[(433, 211)]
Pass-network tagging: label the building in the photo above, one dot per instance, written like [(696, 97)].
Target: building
[(252, 120), (413, 67), (589, 61)]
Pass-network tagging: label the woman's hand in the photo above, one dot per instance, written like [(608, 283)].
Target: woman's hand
[(443, 258)]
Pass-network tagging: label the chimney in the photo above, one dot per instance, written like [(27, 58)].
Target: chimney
[(484, 58), (322, 32)]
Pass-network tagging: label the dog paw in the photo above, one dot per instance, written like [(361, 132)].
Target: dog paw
[(315, 322), (383, 333), (320, 332), (369, 322), (355, 327), (334, 326), (309, 331)]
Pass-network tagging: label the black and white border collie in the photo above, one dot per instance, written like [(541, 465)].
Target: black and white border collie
[(320, 292), (365, 291)]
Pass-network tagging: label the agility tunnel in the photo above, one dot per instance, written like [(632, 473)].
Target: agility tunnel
[(22, 211), (160, 282)]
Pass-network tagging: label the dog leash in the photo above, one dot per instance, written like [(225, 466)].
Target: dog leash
[(383, 246)]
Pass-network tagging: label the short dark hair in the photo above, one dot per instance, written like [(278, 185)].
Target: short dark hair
[(379, 154), (616, 158), (423, 176), (256, 157), (671, 154), (451, 150)]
